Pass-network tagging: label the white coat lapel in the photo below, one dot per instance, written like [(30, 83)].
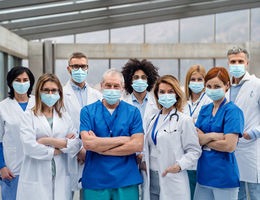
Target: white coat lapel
[(68, 91), (45, 124), (244, 89)]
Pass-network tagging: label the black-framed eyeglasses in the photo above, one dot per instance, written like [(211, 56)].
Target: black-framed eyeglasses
[(136, 77), (47, 90), (77, 67)]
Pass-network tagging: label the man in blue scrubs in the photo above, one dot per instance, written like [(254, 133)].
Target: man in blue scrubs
[(112, 132)]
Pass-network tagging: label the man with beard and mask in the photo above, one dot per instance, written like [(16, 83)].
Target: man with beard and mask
[(245, 93), (77, 94), (112, 133)]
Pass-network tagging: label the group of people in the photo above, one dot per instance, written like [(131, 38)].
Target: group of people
[(141, 136)]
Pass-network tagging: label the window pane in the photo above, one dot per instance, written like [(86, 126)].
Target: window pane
[(222, 63), (25, 63), (132, 34), (232, 26), (118, 64), (2, 77), (61, 71), (187, 63), (93, 37), (197, 29), (166, 67), (162, 32), (255, 23)]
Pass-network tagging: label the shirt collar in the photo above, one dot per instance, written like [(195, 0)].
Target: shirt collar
[(76, 87), (134, 99), (245, 78)]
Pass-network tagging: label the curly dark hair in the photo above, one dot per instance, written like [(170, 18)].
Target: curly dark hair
[(134, 65)]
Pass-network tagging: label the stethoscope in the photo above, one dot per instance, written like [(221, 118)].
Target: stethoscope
[(154, 134)]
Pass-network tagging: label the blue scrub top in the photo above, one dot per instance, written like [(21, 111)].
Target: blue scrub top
[(215, 168), (103, 172)]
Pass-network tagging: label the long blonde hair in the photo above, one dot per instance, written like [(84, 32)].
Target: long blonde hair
[(174, 83), (192, 69), (38, 108)]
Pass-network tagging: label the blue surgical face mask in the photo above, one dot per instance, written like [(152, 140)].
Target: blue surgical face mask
[(196, 87), (50, 99), (139, 85), (215, 94), (79, 75), (167, 100), (21, 88), (111, 96), (237, 70)]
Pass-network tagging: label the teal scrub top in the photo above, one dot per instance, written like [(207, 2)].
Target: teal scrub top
[(104, 172), (215, 168)]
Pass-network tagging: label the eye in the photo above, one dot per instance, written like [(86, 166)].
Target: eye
[(232, 62), (208, 86), (171, 92), (161, 92), (192, 79), (241, 61)]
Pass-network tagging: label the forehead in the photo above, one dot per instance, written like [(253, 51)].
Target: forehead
[(196, 75), (23, 75), (139, 72), (50, 84), (214, 81), (78, 61), (239, 56), (112, 79), (165, 86)]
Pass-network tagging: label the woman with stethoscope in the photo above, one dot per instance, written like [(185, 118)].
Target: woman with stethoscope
[(20, 81), (48, 139), (219, 125), (196, 98), (171, 145)]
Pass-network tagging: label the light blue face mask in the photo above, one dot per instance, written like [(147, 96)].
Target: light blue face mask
[(50, 99), (139, 85), (196, 87), (79, 75), (215, 94), (237, 70), (111, 96), (167, 100), (21, 88)]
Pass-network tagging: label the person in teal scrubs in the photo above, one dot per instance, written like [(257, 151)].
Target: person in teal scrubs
[(112, 133), (219, 125)]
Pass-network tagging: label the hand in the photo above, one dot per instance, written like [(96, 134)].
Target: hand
[(91, 133), (216, 136), (6, 173), (81, 156), (246, 136), (44, 141), (139, 158), (71, 136), (172, 169), (143, 167), (57, 152)]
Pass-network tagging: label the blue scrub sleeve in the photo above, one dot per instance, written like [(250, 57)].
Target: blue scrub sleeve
[(85, 121), (2, 160), (234, 121), (137, 123)]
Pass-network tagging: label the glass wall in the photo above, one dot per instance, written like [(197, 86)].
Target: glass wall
[(2, 76), (255, 24)]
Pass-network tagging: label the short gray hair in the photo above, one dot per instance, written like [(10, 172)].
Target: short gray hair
[(237, 50), (113, 72)]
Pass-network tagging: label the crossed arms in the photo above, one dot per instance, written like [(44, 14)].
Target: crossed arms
[(113, 146)]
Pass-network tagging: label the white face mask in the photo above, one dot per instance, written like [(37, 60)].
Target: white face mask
[(237, 70)]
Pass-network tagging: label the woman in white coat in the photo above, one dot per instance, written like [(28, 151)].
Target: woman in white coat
[(196, 98), (20, 81), (48, 139), (171, 145)]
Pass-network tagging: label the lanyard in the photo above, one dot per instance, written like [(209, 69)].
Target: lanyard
[(110, 122), (154, 136), (191, 112), (211, 120)]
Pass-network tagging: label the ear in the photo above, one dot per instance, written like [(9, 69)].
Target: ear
[(68, 69)]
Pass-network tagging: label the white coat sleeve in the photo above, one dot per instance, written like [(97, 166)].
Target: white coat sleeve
[(28, 137), (73, 145), (190, 144), (2, 130)]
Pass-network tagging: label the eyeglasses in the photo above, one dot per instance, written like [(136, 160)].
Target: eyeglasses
[(136, 77), (47, 90), (76, 67)]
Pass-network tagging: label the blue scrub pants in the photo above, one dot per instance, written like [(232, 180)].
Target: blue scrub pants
[(211, 193), (253, 191), (9, 188)]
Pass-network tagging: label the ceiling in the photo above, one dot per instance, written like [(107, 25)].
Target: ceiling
[(37, 19)]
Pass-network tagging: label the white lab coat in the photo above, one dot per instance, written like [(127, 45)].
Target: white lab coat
[(248, 151), (11, 115), (151, 107), (177, 142), (35, 180), (73, 107)]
